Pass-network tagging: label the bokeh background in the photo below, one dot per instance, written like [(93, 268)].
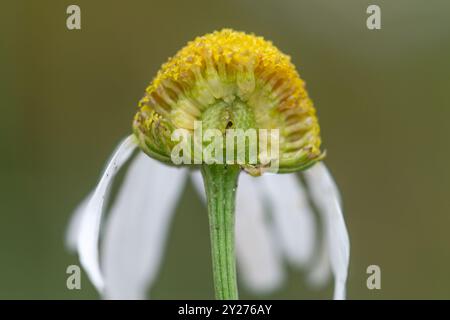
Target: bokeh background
[(383, 99)]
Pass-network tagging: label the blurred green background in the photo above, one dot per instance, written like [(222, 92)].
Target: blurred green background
[(383, 101)]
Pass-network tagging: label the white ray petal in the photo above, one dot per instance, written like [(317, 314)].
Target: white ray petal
[(91, 218), (260, 262), (292, 216), (258, 259), (73, 229), (326, 196), (137, 227), (197, 181), (320, 272)]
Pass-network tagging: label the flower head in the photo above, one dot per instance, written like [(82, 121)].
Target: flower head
[(230, 79), (226, 80)]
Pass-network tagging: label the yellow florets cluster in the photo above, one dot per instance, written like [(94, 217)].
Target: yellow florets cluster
[(232, 53)]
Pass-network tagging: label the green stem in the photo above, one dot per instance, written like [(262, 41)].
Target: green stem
[(220, 184)]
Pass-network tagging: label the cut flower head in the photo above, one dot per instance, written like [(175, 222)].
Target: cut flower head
[(230, 80), (226, 81)]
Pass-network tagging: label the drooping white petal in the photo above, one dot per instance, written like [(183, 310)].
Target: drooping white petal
[(326, 196), (90, 222), (260, 262), (197, 180), (73, 229), (292, 216), (258, 259), (137, 227), (319, 273)]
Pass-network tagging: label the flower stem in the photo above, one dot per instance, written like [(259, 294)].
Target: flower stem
[(220, 184)]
